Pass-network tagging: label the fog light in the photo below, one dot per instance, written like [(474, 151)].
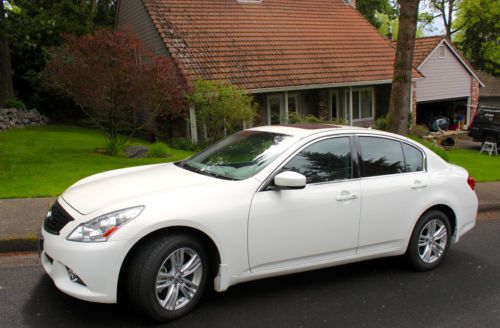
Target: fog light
[(74, 277)]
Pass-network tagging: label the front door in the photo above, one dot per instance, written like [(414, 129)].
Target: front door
[(275, 109), (292, 228)]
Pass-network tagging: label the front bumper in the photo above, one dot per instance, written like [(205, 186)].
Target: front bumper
[(96, 264)]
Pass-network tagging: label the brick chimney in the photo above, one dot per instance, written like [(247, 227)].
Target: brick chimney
[(351, 2)]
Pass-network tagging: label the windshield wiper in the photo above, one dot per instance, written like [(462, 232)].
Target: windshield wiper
[(192, 168)]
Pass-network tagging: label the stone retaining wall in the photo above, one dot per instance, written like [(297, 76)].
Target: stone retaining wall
[(11, 118)]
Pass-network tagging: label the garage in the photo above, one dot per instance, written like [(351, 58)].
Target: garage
[(453, 109)]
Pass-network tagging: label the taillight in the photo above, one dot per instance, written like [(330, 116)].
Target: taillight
[(471, 182)]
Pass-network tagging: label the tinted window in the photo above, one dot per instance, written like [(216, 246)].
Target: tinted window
[(326, 160), (413, 158), (381, 156)]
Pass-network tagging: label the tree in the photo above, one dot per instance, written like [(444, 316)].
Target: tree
[(117, 82), (479, 37), (372, 9), (399, 105), (446, 9), (221, 108), (6, 88)]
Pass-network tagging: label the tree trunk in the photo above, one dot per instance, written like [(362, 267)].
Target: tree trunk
[(6, 88), (399, 106)]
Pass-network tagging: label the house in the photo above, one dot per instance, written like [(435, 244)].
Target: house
[(450, 86), (318, 57), (489, 96)]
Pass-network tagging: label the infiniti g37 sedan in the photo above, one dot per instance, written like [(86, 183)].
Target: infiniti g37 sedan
[(263, 202)]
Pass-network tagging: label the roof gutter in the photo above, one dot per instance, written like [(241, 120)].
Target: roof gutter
[(319, 86)]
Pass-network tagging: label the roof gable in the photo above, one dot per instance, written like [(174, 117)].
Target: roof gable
[(272, 43)]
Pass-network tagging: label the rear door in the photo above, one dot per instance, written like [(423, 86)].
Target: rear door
[(393, 186)]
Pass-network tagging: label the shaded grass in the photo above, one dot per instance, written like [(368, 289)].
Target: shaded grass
[(44, 161), (480, 166)]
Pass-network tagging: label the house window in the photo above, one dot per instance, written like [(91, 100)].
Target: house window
[(441, 51), (275, 109), (334, 104), (293, 102), (363, 104)]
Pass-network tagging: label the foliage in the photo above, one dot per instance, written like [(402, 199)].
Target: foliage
[(381, 123), (32, 27), (372, 10), (479, 38), (116, 81), (15, 103), (386, 21), (184, 144), (221, 108), (445, 10), (440, 151), (419, 130), (298, 118), (158, 149), (44, 161)]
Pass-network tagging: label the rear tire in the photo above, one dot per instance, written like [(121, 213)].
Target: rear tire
[(167, 276), (429, 241)]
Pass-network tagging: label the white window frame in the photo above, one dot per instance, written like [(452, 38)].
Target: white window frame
[(282, 107), (332, 92), (359, 90)]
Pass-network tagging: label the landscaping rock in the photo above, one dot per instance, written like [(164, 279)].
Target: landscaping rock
[(11, 118), (136, 151)]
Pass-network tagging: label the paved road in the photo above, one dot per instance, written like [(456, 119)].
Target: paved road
[(464, 291)]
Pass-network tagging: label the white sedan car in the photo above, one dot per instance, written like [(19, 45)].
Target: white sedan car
[(263, 202)]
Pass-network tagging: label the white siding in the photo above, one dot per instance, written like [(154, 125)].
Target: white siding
[(131, 13), (445, 78)]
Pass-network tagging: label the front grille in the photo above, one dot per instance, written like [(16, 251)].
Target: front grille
[(57, 219)]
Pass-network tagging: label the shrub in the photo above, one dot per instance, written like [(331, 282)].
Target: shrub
[(15, 103), (158, 149), (184, 144), (297, 118), (221, 108), (381, 123), (440, 151), (419, 130)]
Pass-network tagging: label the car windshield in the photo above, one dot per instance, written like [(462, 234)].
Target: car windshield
[(239, 156)]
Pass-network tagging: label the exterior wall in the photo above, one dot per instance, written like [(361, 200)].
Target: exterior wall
[(489, 101), (382, 98), (474, 100), (132, 14), (445, 78)]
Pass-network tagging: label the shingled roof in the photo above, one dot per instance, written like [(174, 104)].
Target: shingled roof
[(272, 43)]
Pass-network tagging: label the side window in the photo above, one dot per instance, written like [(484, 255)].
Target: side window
[(381, 156), (413, 158), (326, 160)]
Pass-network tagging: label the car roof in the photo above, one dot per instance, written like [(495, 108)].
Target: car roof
[(305, 130)]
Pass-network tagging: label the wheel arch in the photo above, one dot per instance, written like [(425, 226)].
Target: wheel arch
[(213, 251), (448, 211)]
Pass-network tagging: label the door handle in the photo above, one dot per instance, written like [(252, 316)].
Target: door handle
[(419, 185), (343, 196)]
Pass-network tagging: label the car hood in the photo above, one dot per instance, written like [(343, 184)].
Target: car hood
[(103, 189)]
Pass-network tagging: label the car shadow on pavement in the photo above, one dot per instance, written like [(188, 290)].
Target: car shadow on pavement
[(373, 293)]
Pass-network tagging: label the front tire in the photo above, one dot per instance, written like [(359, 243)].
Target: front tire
[(167, 276), (429, 241)]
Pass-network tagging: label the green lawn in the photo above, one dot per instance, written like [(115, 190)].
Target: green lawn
[(480, 166), (44, 161)]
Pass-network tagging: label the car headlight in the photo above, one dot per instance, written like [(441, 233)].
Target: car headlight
[(100, 228)]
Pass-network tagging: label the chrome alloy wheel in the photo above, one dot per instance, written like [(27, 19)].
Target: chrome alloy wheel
[(432, 241), (178, 279)]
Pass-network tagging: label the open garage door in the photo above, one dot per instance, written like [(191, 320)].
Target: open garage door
[(455, 110)]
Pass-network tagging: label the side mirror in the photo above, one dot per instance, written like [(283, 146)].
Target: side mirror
[(290, 180)]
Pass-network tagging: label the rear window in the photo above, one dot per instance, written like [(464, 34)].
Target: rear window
[(414, 159), (381, 156)]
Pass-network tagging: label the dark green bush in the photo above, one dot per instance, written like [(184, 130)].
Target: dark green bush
[(381, 123), (15, 103), (184, 144)]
